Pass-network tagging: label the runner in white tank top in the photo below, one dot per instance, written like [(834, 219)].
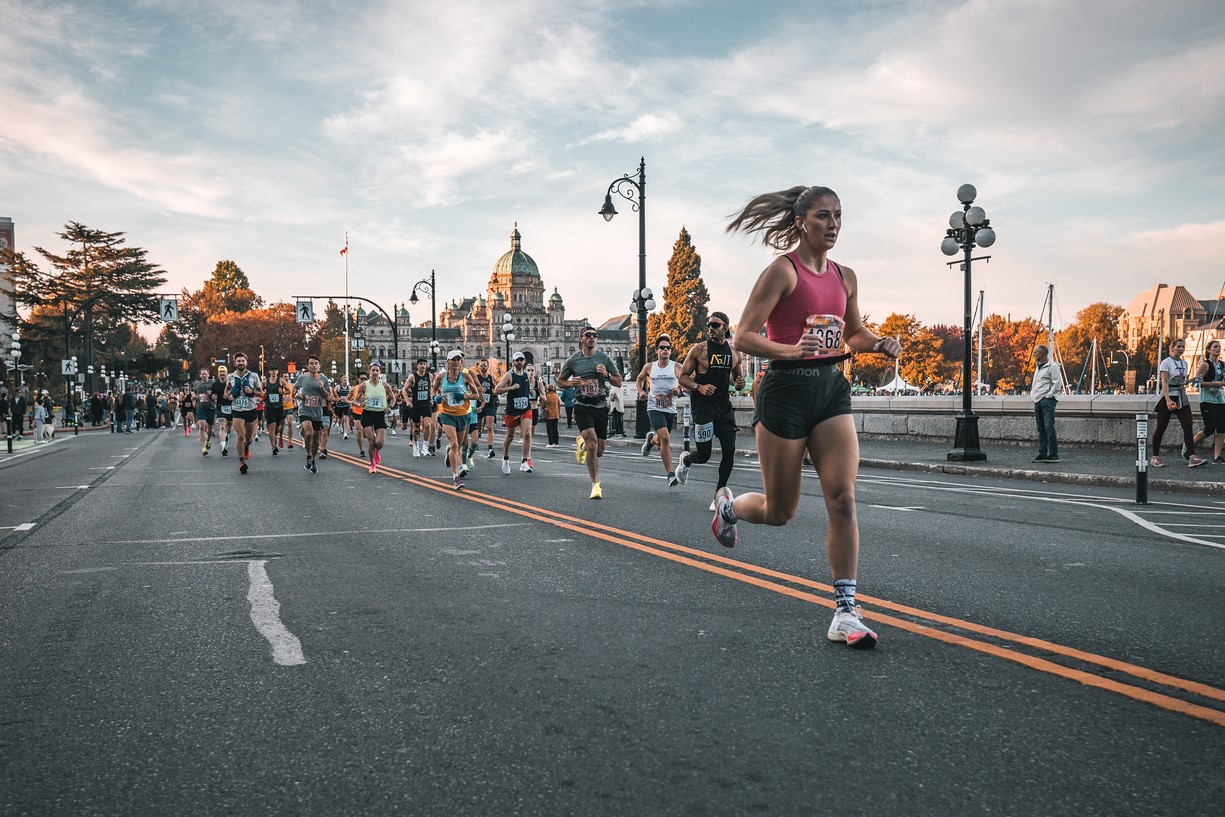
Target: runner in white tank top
[(659, 384)]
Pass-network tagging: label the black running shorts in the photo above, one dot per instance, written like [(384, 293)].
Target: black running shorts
[(374, 419), (594, 418), (792, 402)]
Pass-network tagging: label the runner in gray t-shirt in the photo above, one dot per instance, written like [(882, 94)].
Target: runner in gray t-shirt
[(590, 373), (206, 409), (311, 393)]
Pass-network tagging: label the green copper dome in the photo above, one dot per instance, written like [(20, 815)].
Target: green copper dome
[(516, 262)]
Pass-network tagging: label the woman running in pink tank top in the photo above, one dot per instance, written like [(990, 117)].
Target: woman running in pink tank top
[(810, 308)]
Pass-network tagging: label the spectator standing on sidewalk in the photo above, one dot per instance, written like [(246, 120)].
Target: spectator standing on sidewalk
[(567, 400), (616, 414), (1044, 391), (1173, 400), (19, 412), (552, 412)]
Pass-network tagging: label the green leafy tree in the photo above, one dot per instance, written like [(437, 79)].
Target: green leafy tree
[(1008, 348), (684, 315)]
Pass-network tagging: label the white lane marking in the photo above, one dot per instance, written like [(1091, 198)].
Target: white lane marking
[(89, 570), (103, 468), (896, 508), (306, 533), (1025, 493), (266, 616), (120, 456), (71, 487), (23, 526)]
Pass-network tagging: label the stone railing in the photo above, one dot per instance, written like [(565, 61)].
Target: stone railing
[(1080, 420)]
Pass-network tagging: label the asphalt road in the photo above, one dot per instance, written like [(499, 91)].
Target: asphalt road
[(178, 639)]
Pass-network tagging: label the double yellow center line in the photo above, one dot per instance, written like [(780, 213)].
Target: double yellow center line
[(915, 620)]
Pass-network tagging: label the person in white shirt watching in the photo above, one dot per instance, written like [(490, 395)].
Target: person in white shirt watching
[(1044, 391)]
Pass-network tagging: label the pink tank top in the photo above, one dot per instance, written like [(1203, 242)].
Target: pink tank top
[(813, 295)]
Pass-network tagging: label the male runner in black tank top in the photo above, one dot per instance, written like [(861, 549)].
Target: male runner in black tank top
[(709, 368), (488, 413)]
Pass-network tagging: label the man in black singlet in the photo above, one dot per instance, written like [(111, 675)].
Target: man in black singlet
[(488, 412), (416, 392), (709, 368)]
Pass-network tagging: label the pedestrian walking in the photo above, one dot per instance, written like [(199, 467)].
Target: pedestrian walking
[(1211, 377), (40, 420), (567, 400), (1045, 390), (616, 414), (809, 307), (1173, 401)]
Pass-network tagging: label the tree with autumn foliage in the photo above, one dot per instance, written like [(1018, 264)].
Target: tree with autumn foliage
[(685, 297), (1008, 348), (228, 290), (1098, 321), (275, 328)]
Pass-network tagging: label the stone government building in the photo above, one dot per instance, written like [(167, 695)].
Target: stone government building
[(474, 323)]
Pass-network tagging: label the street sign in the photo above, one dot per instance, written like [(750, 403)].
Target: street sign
[(397, 367), (305, 311), (68, 366), (168, 309)]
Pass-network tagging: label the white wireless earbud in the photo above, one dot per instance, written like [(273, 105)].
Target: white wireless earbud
[(803, 228)]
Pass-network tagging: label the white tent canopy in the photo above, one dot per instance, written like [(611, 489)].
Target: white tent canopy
[(897, 384)]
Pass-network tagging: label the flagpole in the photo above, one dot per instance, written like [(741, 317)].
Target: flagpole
[(346, 255)]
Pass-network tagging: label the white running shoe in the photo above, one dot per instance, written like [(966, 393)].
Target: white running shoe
[(490, 455), (646, 446), (393, 433), (416, 448), (505, 465), (848, 626), (682, 469), (524, 467)]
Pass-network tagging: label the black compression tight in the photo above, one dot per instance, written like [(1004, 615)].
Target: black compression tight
[(727, 443)]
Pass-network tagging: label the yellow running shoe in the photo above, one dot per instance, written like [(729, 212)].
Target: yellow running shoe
[(596, 493), (580, 451)]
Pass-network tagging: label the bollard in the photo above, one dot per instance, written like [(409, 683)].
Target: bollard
[(10, 432), (688, 421), (1142, 459)]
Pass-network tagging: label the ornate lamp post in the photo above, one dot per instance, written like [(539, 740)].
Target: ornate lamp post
[(625, 187), (15, 354), (968, 227), (427, 286), (508, 334)]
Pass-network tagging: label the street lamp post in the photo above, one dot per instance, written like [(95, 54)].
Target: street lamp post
[(625, 187), (427, 286), (1126, 366), (508, 334), (15, 354), (968, 227)]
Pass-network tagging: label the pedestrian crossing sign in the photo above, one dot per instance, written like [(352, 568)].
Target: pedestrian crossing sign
[(168, 310), (68, 366), (305, 311)]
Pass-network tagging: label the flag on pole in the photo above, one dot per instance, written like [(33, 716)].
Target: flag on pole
[(345, 251)]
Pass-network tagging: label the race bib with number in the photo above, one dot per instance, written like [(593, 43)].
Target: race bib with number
[(310, 400), (274, 397), (589, 388), (828, 328), (521, 403), (663, 401), (455, 398), (244, 403), (704, 433), (375, 402)]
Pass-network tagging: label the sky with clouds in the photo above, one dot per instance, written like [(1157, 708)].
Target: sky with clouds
[(262, 130)]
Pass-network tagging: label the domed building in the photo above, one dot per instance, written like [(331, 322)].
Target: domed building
[(474, 323), (539, 323)]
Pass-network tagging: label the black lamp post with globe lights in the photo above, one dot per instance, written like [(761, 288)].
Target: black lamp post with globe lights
[(642, 302), (968, 228), (427, 286)]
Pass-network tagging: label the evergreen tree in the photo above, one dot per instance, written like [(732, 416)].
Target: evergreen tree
[(93, 290), (684, 314)]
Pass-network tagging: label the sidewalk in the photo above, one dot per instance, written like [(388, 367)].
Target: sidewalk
[(1109, 466)]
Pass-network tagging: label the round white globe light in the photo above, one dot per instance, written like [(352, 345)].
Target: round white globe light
[(976, 216), (985, 237), (966, 193), (957, 220), (650, 304), (646, 293), (949, 246)]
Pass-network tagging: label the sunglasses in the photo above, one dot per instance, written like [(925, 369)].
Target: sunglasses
[(716, 325), (663, 348), (589, 334)]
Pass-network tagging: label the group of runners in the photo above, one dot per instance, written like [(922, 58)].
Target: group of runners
[(807, 306)]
